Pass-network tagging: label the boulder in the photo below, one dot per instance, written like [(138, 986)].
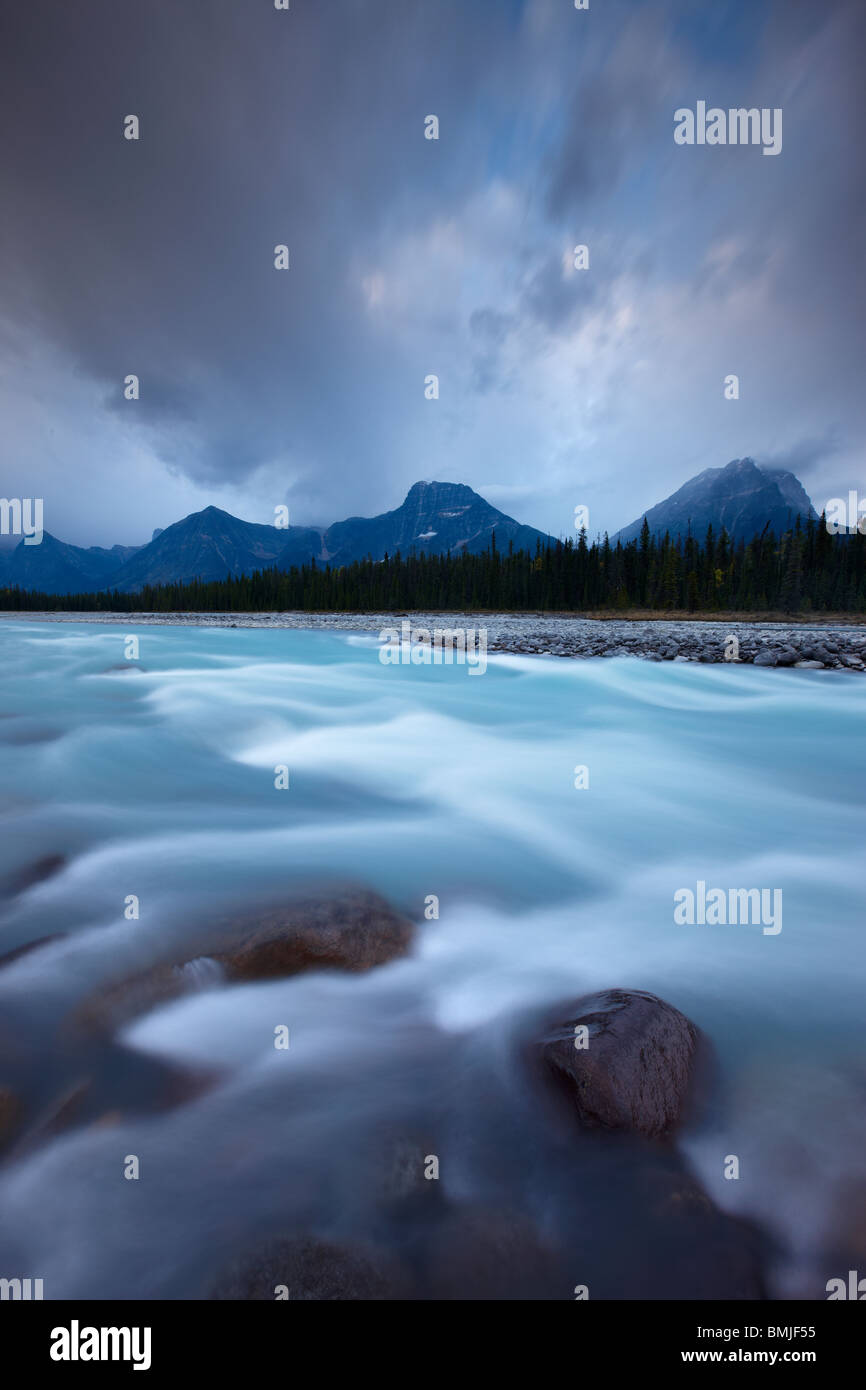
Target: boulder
[(113, 1083), (115, 1005), (354, 932), (481, 1253), (635, 1071), (708, 1253)]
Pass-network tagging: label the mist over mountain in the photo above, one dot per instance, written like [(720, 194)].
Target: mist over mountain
[(740, 497)]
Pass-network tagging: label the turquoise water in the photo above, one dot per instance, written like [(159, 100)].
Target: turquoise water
[(159, 782)]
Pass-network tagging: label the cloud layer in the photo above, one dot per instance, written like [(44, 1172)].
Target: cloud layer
[(410, 256)]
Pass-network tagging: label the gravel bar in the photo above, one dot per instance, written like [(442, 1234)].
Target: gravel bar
[(815, 646)]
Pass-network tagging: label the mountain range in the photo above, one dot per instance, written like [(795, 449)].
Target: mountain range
[(435, 518)]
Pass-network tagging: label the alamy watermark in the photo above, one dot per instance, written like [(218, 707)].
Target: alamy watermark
[(712, 907), (736, 126), (849, 517), (77, 1343), (22, 1290), (22, 516), (421, 646), (854, 1289)]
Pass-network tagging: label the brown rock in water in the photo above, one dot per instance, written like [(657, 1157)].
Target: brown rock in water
[(635, 1071), (115, 1005), (356, 931)]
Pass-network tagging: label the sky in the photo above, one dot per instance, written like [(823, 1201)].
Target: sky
[(409, 257)]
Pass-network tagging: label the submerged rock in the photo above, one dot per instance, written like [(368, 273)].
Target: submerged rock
[(356, 931), (115, 1005), (634, 1072), (490, 1253), (305, 1268), (696, 1250), (113, 1084)]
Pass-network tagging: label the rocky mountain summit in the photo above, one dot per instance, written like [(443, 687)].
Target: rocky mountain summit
[(741, 498)]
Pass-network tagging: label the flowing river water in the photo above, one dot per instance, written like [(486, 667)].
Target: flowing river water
[(156, 778)]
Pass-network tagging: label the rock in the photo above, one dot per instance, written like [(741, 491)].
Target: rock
[(354, 932), (810, 665), (709, 1254), (115, 1005), (309, 1269), (635, 1072), (121, 1083), (787, 657), (480, 1253), (765, 657)]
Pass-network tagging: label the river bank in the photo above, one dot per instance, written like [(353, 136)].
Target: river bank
[(836, 645)]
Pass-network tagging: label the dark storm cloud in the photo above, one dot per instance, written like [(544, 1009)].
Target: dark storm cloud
[(257, 128), (411, 256), (555, 299), (615, 108), (489, 330)]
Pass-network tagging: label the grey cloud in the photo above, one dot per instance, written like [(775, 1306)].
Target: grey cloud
[(307, 128)]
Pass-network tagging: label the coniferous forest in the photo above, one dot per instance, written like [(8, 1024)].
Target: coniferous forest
[(806, 570)]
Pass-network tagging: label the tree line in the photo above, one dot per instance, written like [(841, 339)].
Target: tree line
[(804, 570)]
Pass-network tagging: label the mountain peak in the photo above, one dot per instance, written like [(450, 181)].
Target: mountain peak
[(434, 489), (740, 497)]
